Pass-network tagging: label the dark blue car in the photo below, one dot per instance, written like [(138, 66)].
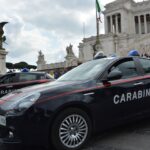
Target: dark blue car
[(90, 98), (16, 80)]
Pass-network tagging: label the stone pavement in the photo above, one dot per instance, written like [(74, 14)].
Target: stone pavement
[(134, 136)]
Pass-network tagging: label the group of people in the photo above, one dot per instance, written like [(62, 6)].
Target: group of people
[(57, 73)]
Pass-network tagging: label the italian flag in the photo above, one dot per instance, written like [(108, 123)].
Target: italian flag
[(98, 10)]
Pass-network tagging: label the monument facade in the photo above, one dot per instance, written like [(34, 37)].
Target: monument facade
[(127, 27)]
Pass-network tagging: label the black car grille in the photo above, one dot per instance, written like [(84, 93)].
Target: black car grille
[(2, 112)]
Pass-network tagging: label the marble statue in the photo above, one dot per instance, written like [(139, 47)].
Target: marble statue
[(69, 50), (2, 37)]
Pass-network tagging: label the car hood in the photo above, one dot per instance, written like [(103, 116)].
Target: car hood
[(55, 85), (46, 90)]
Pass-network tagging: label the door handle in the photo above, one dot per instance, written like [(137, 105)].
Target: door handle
[(86, 94), (138, 83), (9, 86)]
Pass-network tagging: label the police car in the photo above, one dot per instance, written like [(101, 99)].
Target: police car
[(13, 81), (90, 98)]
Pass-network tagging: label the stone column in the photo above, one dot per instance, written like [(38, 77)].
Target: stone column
[(116, 19), (3, 54), (145, 24), (106, 25), (111, 24), (139, 21)]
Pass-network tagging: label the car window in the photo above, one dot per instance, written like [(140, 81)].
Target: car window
[(86, 71), (2, 79), (8, 79), (40, 76), (27, 77), (43, 76), (146, 65), (127, 68)]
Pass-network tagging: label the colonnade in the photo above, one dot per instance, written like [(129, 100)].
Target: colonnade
[(114, 23), (142, 24)]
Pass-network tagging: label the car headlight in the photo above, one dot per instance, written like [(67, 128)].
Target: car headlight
[(23, 103)]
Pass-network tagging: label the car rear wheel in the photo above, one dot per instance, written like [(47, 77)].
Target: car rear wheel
[(71, 129)]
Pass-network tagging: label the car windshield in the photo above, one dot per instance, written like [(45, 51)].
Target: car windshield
[(86, 71)]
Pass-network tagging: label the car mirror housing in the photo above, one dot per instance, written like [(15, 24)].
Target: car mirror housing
[(114, 75)]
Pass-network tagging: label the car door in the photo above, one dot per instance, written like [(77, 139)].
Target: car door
[(117, 99), (25, 79), (7, 84), (145, 64)]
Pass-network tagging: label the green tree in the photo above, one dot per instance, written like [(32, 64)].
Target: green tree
[(32, 67), (9, 65), (20, 65)]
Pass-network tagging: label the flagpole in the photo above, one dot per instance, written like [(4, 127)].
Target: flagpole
[(83, 29), (97, 45), (96, 20), (97, 27)]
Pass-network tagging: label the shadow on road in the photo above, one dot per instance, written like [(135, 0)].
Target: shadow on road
[(20, 147)]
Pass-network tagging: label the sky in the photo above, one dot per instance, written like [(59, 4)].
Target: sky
[(46, 25)]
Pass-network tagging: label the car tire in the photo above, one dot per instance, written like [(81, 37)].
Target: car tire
[(71, 129)]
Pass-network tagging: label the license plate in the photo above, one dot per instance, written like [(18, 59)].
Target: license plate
[(2, 120)]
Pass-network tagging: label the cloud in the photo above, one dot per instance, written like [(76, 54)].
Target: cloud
[(46, 25)]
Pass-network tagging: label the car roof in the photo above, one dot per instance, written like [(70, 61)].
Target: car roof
[(26, 73), (117, 58), (123, 57)]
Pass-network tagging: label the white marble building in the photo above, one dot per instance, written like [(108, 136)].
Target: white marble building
[(127, 27)]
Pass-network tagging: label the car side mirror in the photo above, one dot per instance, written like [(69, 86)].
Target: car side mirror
[(114, 75)]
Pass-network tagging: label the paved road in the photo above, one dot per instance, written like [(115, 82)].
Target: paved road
[(130, 137)]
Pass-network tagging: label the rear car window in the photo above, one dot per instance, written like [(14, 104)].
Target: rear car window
[(146, 65), (8, 79), (27, 77), (127, 68)]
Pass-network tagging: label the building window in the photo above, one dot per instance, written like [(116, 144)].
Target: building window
[(108, 24), (114, 23), (142, 24), (119, 23), (136, 24), (148, 22)]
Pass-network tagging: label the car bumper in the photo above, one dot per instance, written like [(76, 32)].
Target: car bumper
[(9, 135), (10, 141), (25, 129)]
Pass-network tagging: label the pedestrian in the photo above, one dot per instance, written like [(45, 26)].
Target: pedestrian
[(56, 74), (51, 73)]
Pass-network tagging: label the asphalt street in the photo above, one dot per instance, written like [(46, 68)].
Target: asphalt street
[(135, 136)]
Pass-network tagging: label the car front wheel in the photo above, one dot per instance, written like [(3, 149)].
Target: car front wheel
[(71, 129)]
